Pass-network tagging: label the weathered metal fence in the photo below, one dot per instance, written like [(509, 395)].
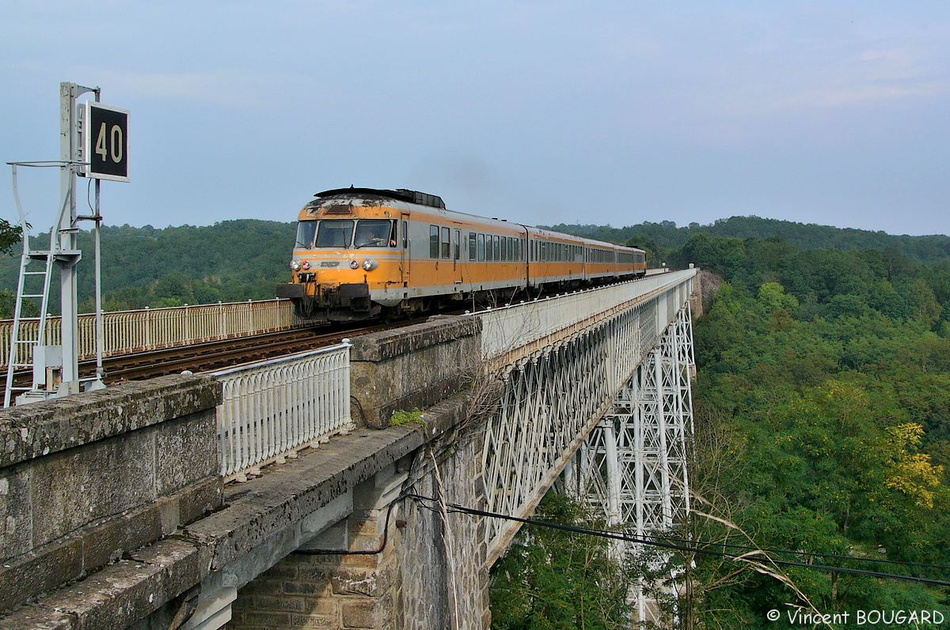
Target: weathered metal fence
[(271, 409), (533, 324), (156, 328)]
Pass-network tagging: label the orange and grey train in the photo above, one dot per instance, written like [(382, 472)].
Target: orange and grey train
[(362, 253)]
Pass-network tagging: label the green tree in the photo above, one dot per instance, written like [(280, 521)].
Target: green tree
[(826, 390), (552, 579), (9, 236)]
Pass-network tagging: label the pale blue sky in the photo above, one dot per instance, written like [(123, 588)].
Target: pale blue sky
[(537, 111)]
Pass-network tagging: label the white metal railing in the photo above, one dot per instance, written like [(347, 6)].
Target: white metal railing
[(155, 328), (271, 409), (511, 327)]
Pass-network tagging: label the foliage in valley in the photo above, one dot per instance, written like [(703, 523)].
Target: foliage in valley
[(552, 579), (823, 426)]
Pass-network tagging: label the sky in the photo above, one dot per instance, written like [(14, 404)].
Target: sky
[(541, 112)]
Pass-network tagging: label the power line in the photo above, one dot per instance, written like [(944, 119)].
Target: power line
[(689, 548), (818, 554)]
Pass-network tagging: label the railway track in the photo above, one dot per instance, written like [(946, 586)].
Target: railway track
[(217, 355)]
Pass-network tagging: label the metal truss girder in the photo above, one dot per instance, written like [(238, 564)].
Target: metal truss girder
[(551, 402), (633, 468)]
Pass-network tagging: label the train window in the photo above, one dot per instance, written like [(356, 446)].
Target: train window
[(472, 248), (481, 247), (375, 233), (405, 234), (504, 248), (334, 233), (497, 248), (433, 241), (457, 250), (446, 243), (306, 230)]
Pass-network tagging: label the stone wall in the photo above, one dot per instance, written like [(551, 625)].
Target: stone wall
[(88, 478), (442, 580), (424, 575), (413, 367)]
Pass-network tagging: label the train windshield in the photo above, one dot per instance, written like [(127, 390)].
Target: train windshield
[(375, 233), (306, 230), (335, 233)]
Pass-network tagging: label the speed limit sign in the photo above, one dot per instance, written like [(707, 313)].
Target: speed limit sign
[(105, 144)]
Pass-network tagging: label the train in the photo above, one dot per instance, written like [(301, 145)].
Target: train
[(365, 253)]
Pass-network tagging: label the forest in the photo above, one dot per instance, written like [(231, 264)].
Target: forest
[(822, 450), (233, 261)]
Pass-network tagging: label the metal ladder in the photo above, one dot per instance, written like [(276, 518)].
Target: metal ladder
[(29, 330)]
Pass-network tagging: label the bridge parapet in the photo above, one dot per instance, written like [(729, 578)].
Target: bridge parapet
[(87, 479), (515, 331), (413, 367), (148, 329)]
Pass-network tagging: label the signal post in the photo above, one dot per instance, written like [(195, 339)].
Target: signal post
[(94, 143)]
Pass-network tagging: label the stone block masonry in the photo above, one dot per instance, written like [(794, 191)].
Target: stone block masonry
[(88, 479), (413, 367), (430, 573)]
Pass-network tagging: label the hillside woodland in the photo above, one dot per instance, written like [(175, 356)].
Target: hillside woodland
[(233, 261), (823, 427)]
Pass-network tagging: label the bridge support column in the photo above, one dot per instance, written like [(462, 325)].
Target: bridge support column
[(343, 578), (634, 466)]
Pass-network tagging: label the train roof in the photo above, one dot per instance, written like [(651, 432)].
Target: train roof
[(434, 201), (400, 194)]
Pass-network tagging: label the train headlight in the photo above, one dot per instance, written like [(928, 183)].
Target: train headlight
[(295, 265), (369, 264), (306, 265), (354, 264)]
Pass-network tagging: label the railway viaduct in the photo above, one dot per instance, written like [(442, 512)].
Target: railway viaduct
[(115, 510)]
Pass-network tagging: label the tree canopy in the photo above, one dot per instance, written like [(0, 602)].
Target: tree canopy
[(823, 418)]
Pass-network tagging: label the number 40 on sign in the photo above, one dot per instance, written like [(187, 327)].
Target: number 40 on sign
[(105, 142)]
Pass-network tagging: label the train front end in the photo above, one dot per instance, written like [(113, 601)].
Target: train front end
[(347, 259)]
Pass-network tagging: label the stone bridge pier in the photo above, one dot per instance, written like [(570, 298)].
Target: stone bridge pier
[(395, 562)]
